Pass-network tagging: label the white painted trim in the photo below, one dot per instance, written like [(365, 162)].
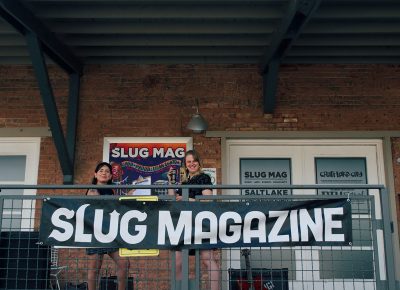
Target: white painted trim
[(297, 142)]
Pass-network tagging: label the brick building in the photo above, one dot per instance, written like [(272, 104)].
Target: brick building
[(323, 110)]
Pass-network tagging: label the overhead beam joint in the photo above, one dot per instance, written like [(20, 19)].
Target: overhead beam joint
[(24, 21), (65, 147), (297, 15)]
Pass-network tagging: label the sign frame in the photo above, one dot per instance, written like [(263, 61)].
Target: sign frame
[(142, 143)]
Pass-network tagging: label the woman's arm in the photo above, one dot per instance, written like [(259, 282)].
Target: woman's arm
[(92, 192), (206, 192), (179, 198), (206, 180)]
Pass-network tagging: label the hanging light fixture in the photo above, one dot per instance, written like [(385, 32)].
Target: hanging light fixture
[(197, 124)]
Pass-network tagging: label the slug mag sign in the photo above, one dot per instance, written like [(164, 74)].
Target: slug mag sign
[(175, 225), (145, 161)]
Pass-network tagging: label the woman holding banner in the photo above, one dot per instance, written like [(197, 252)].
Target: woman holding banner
[(195, 176), (103, 176)]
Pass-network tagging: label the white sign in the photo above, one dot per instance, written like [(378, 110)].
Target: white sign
[(212, 172)]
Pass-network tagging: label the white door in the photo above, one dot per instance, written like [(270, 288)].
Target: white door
[(318, 267), (19, 162)]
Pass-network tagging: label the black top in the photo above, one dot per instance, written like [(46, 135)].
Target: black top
[(103, 191), (199, 179)]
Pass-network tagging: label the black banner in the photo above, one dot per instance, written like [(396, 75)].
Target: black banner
[(175, 225)]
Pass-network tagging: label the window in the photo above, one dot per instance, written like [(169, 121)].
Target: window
[(19, 161)]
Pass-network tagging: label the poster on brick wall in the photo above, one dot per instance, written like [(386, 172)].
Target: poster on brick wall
[(145, 161), (212, 172)]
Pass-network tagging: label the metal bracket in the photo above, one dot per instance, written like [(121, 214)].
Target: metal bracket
[(41, 40), (379, 224), (24, 21), (65, 150), (298, 14)]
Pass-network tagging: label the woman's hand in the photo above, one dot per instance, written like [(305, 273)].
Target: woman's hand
[(131, 192), (180, 198)]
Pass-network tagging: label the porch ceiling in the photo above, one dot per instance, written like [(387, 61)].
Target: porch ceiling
[(211, 31)]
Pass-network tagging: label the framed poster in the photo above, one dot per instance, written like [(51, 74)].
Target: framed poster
[(145, 160), (265, 171)]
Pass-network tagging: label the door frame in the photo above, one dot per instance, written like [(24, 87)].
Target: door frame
[(385, 136), (302, 153)]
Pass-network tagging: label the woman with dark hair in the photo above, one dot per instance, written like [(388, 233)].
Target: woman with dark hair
[(195, 176), (103, 176)]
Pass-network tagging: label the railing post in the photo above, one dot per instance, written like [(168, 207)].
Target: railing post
[(197, 269), (185, 252), (173, 271), (375, 225), (383, 223), (387, 233), (1, 212)]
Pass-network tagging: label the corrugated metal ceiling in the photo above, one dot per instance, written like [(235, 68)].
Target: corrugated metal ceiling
[(211, 31)]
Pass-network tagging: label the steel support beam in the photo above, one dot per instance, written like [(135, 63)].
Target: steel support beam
[(298, 14), (41, 40), (72, 118), (23, 20), (39, 65)]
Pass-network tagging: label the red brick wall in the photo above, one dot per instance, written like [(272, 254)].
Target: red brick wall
[(124, 100), (158, 100)]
